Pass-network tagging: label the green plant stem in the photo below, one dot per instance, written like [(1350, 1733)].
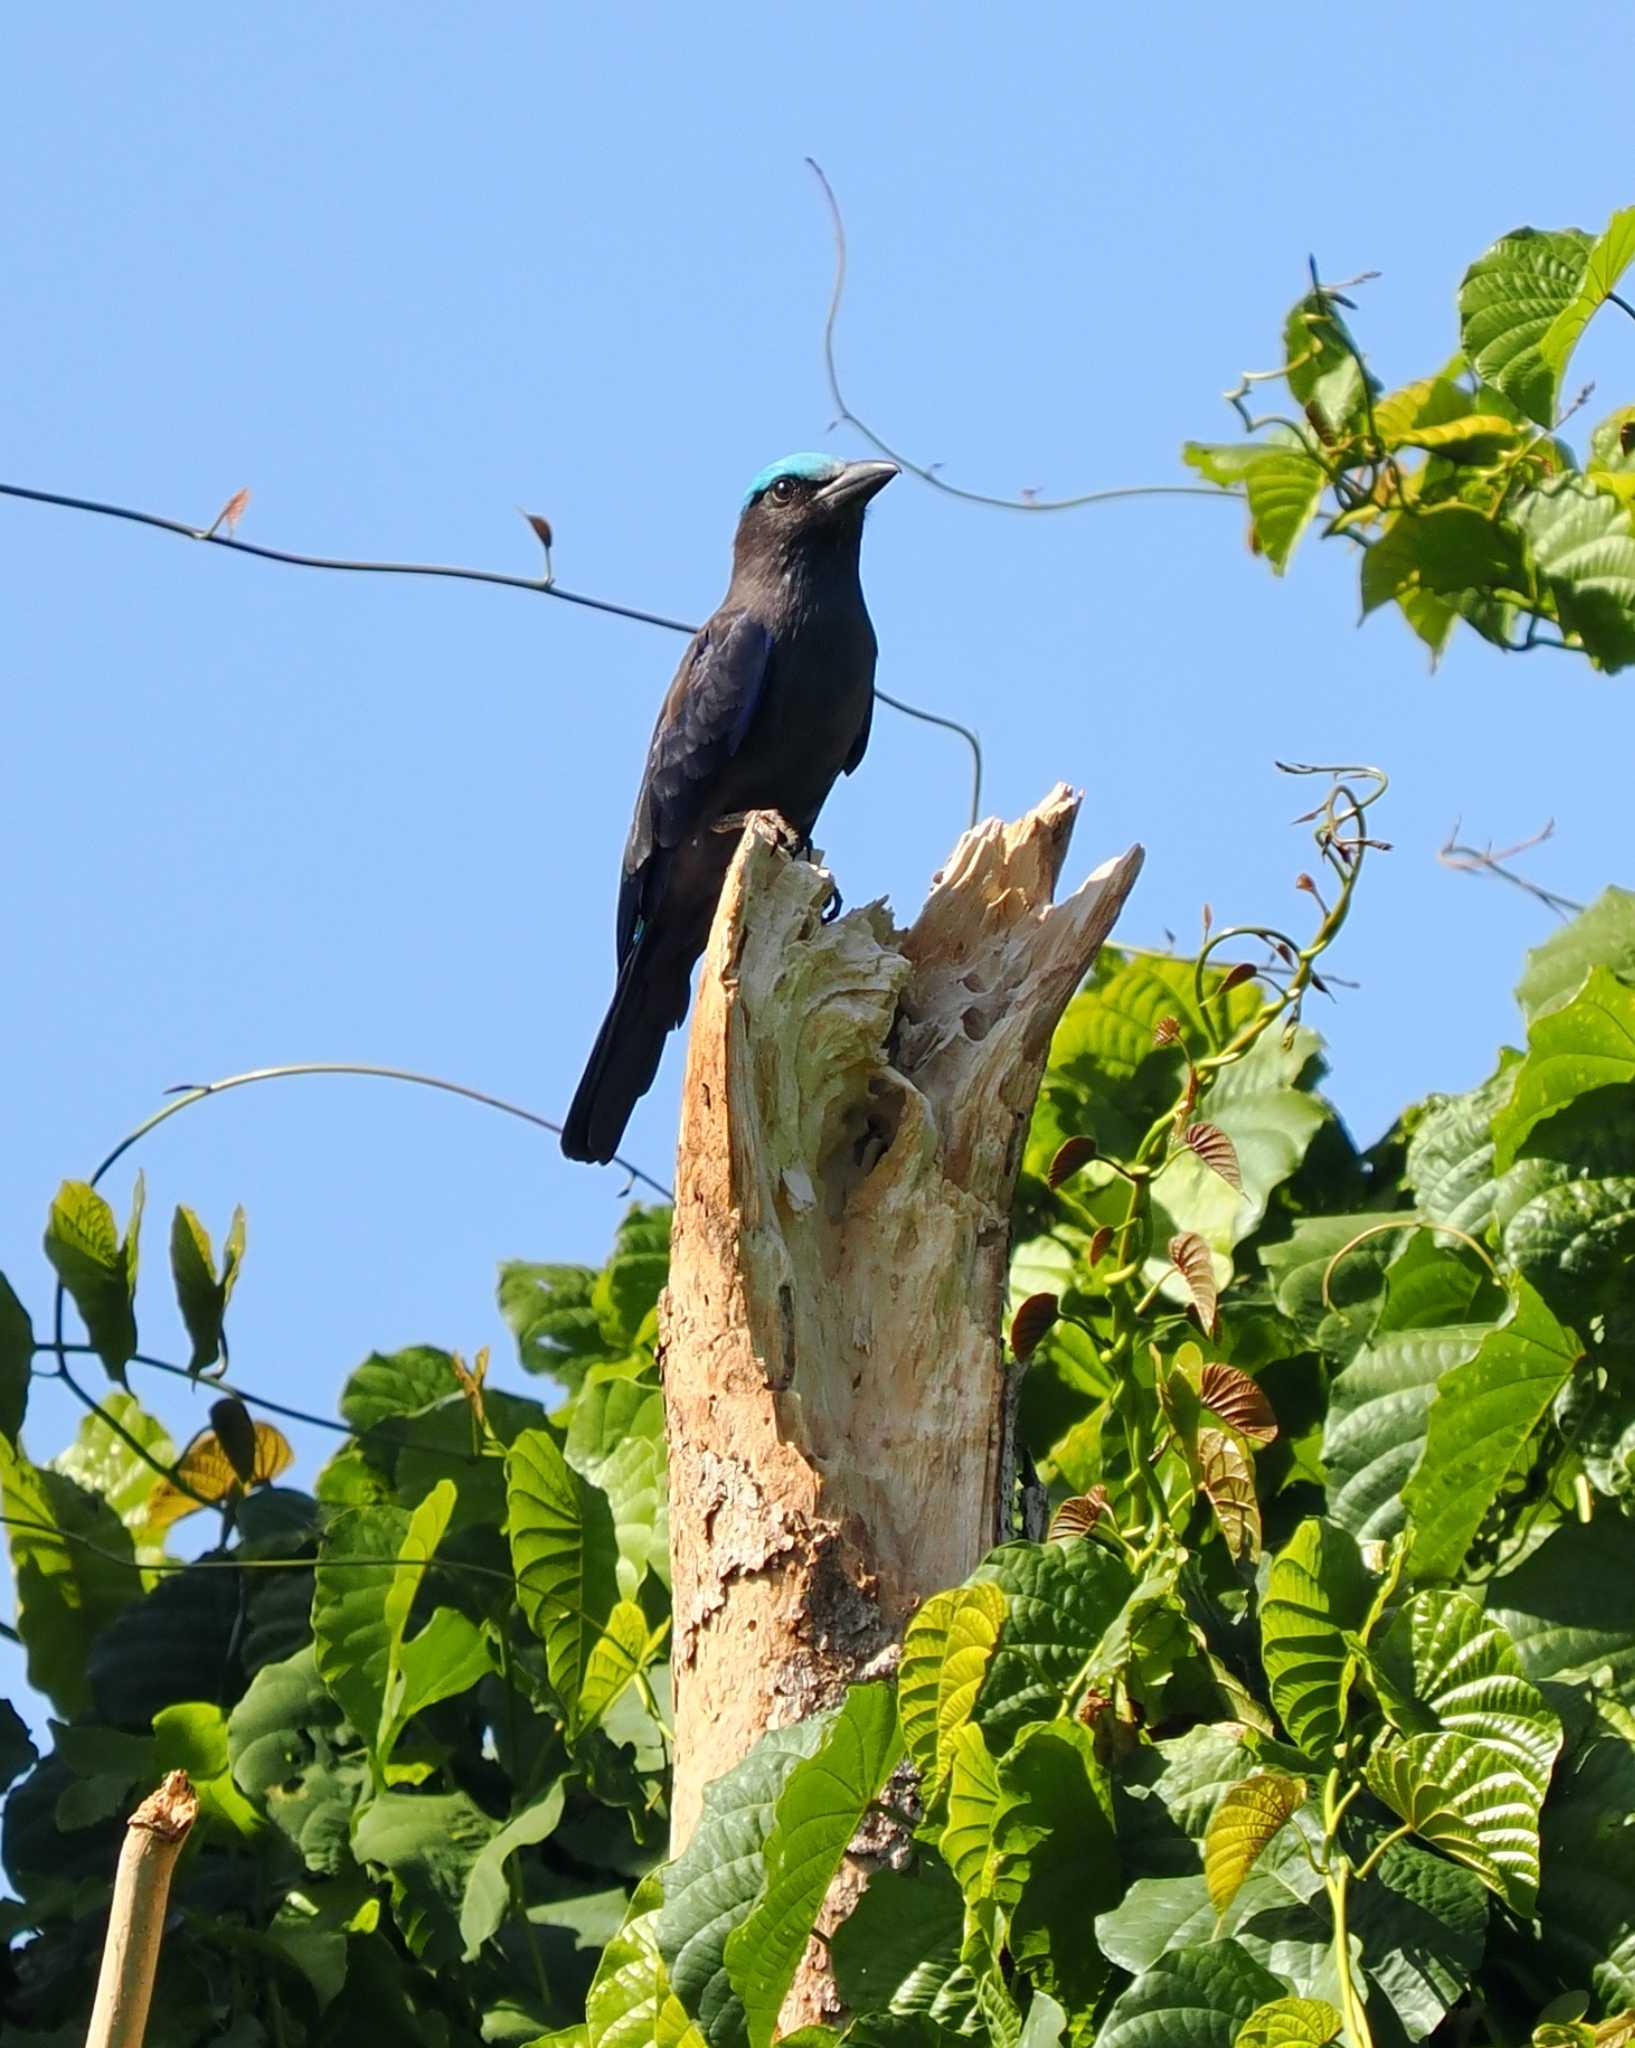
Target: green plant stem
[(1351, 2005), (172, 1473), (1371, 1861)]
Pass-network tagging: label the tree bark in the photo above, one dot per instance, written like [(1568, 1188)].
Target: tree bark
[(855, 1106)]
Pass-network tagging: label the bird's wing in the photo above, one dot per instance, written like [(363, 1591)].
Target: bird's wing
[(860, 745), (702, 725)]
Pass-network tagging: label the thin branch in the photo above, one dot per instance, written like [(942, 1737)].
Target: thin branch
[(1484, 860), (131, 1441), (541, 586), (1028, 501)]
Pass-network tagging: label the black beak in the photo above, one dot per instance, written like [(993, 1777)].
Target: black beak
[(856, 484)]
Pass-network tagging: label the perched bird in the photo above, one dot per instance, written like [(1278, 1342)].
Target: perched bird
[(772, 701)]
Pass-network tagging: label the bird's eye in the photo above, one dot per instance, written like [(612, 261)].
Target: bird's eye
[(784, 489)]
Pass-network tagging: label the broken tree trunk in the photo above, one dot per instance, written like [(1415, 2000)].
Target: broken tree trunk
[(855, 1106)]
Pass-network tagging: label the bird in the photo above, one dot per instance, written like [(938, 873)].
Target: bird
[(772, 702)]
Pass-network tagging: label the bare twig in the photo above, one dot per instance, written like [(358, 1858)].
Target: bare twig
[(542, 586), (1024, 501), (154, 1836), (1486, 860)]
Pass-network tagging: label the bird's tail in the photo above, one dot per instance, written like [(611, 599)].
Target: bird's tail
[(648, 1003)]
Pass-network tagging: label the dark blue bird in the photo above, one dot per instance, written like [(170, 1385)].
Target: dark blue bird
[(772, 701)]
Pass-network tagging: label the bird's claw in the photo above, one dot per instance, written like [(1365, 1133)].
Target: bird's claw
[(834, 906)]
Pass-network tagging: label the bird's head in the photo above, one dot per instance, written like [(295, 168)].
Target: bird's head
[(808, 503)]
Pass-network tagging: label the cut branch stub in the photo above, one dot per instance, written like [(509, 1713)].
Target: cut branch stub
[(853, 1118)]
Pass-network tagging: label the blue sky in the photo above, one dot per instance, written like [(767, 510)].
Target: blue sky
[(400, 268)]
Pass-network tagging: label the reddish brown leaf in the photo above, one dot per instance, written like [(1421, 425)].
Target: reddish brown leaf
[(1216, 1150), (1195, 1263), (1031, 1324), (1626, 436), (1236, 975), (1076, 1152), (1166, 1031), (541, 526), (1100, 1244), (1078, 1516), (1228, 1483), (1238, 1401), (230, 514)]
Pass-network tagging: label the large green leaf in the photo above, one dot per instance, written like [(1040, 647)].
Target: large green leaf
[(98, 1267), (1471, 1776), (1062, 1603), (203, 1297), (1290, 2023), (74, 1571), (1450, 1155), (1485, 1411), (627, 1290), (976, 1799), (615, 1440), (899, 1947), (1588, 1043), (352, 1636), (1316, 1593), (1587, 1902), (427, 1844), (390, 1383), (1328, 1276), (1375, 1430), (1602, 936), (1583, 542), (1569, 1608), (103, 1460), (818, 1811), (1191, 1998), (487, 1899), (180, 1642), (1445, 549), (1251, 1812), (284, 1741), (711, 1886), (1609, 257), (1284, 487), (945, 1658), (564, 1551), (1060, 1857), (631, 2004), (1510, 301)]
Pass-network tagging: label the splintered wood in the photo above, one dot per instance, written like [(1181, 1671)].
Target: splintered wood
[(855, 1107)]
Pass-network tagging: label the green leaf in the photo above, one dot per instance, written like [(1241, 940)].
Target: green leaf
[(1569, 1608), (1060, 1857), (616, 1440), (1328, 1276), (203, 1297), (627, 1290), (102, 1460), (549, 1312), (1473, 1779), (283, 1740), (711, 1886), (1602, 936), (818, 1812), (352, 1636), (16, 1356), (180, 1642), (1062, 1602), (1450, 1155), (396, 1383), (427, 1845), (1290, 2023), (1325, 371), (1375, 1432), (900, 1945), (1510, 301), (1191, 1998), (1587, 1903), (1249, 1815), (1588, 1043), (945, 1658), (1583, 541), (1445, 549), (446, 1658), (97, 1267), (631, 2004), (1316, 1594), (624, 1648), (564, 1552), (976, 1800), (73, 1569), (1484, 1413), (1284, 488), (191, 1736), (1608, 259), (487, 1899)]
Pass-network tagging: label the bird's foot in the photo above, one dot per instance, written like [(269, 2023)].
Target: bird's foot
[(835, 905)]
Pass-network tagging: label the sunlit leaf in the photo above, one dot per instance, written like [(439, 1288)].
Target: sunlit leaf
[(1192, 1259), (1249, 1815), (945, 1658), (98, 1267)]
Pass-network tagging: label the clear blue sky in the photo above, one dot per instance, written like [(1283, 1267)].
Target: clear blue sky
[(401, 268)]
